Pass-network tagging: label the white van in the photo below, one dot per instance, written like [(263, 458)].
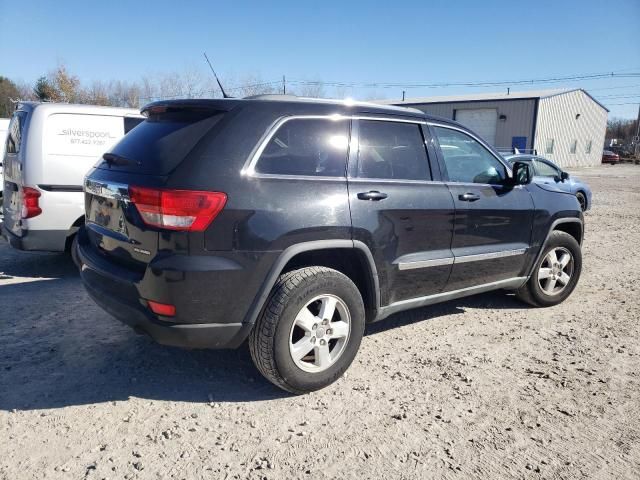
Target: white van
[(49, 149), (4, 127)]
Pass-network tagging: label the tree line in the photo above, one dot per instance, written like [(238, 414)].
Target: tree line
[(61, 85), (622, 129)]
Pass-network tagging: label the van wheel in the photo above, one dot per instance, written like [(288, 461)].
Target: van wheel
[(73, 252), (309, 330), (556, 273)]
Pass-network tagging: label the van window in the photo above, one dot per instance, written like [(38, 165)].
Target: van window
[(14, 135), (467, 160), (392, 150), (309, 147), (131, 122)]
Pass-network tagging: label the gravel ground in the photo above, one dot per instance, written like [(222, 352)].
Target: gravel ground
[(482, 387)]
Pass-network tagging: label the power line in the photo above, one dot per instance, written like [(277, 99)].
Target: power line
[(614, 88), (595, 76), (627, 103), (623, 95)]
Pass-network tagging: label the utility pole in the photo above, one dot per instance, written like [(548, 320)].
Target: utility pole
[(636, 150), (284, 85)]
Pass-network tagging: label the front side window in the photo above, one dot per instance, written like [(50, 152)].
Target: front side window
[(550, 144), (392, 150), (14, 135), (467, 160), (543, 169), (308, 147)]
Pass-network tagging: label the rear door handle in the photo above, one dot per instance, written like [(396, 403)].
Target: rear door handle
[(373, 195), (469, 197)]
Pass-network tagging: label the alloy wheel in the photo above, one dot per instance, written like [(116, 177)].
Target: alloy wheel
[(320, 333), (555, 271)]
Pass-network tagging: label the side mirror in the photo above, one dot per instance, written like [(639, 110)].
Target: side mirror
[(522, 174), (564, 176)]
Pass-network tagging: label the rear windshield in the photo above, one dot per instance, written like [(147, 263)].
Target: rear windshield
[(160, 143)]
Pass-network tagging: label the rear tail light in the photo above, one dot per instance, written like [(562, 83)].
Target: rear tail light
[(186, 210), (163, 309), (30, 207)]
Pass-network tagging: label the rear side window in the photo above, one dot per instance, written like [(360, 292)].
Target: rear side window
[(309, 147), (14, 135), (392, 150), (159, 144)]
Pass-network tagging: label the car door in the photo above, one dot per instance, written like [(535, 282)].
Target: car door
[(399, 208), (493, 219)]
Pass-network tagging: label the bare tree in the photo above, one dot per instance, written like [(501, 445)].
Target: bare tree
[(66, 84)]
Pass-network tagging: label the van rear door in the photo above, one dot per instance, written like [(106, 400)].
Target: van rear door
[(13, 173)]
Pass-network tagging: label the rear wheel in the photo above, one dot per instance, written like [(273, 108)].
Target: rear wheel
[(309, 331), (556, 273), (582, 200)]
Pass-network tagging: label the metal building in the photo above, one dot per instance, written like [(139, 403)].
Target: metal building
[(566, 126)]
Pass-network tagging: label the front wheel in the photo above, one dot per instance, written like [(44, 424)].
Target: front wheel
[(582, 200), (309, 330), (556, 273)]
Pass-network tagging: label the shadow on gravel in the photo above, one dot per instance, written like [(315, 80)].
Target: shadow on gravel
[(57, 348)]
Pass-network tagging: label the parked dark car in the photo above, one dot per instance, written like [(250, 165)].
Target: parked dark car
[(293, 222), (610, 157), (549, 175)]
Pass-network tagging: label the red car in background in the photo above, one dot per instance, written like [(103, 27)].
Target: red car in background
[(610, 157)]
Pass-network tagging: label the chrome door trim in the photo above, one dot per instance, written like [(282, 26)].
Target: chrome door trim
[(509, 283), (437, 262), (112, 190), (490, 256)]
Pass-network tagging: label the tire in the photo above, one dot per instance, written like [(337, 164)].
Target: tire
[(295, 302), (533, 293), (73, 252), (582, 200)]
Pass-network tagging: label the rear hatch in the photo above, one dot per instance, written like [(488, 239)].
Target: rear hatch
[(121, 224)]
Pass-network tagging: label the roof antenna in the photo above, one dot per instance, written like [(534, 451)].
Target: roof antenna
[(224, 94)]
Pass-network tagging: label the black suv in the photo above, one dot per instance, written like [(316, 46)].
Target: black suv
[(293, 222)]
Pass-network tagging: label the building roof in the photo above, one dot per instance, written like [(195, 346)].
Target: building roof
[(474, 97)]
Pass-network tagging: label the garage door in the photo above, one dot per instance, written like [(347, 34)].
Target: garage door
[(482, 121)]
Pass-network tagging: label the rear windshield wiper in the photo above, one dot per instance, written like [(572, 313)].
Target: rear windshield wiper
[(116, 160)]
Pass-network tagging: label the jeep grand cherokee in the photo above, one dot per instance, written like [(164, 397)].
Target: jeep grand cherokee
[(293, 222)]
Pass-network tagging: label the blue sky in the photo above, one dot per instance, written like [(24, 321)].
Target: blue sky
[(400, 42)]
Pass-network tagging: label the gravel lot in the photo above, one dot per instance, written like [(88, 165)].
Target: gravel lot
[(482, 387)]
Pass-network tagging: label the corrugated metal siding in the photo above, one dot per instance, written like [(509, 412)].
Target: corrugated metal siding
[(519, 113), (557, 121)]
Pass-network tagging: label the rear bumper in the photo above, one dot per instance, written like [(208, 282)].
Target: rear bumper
[(38, 240), (119, 295), (202, 335)]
